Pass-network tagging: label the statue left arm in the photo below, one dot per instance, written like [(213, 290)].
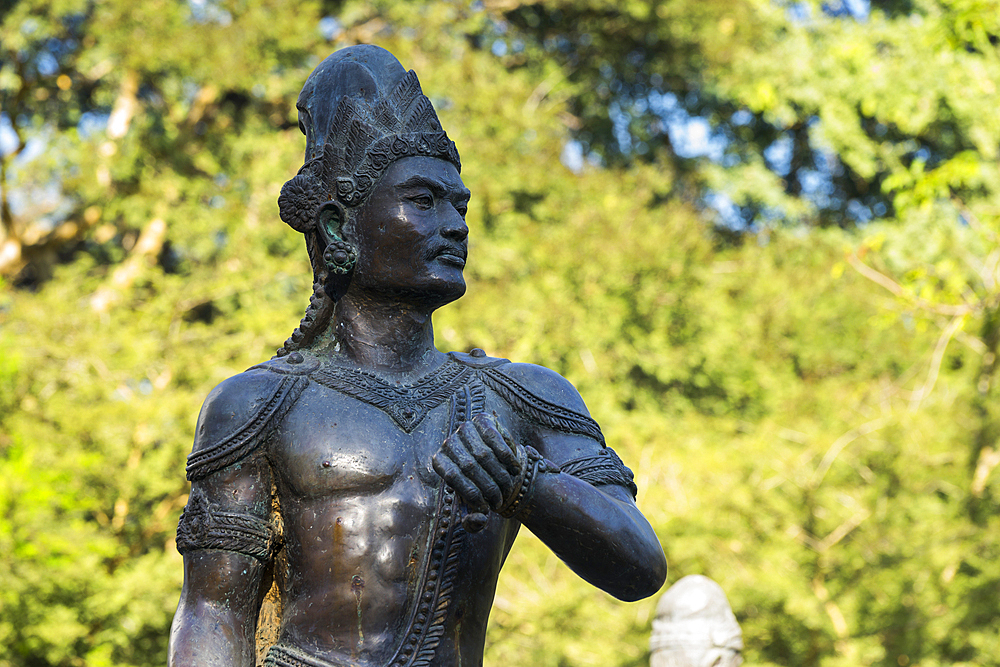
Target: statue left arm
[(590, 521), (598, 531)]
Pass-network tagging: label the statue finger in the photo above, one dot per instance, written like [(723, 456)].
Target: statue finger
[(487, 458), (452, 474), (490, 433), (474, 470)]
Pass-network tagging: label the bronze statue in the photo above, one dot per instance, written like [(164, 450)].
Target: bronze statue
[(372, 482)]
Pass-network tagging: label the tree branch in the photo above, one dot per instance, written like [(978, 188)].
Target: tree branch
[(932, 373), (840, 443), (888, 283)]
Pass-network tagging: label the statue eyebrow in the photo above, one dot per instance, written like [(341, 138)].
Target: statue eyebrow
[(437, 187)]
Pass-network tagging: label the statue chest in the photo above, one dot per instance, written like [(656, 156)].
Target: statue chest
[(371, 532), (332, 444)]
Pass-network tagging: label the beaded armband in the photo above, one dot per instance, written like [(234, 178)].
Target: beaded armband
[(203, 526), (532, 463)]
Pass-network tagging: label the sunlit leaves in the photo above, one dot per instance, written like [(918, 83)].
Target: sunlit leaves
[(794, 430)]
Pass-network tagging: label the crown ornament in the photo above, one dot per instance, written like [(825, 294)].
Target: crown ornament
[(363, 138)]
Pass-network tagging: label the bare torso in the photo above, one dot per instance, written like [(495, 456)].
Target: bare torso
[(359, 501), (378, 560)]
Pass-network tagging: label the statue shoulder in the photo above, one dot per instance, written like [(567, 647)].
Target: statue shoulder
[(541, 396), (549, 399), (545, 384), (477, 358), (239, 415), (539, 380)]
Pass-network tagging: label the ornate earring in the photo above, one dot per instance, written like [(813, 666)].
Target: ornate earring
[(340, 257)]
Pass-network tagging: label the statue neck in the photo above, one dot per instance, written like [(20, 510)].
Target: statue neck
[(384, 335)]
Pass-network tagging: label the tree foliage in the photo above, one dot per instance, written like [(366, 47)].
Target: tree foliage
[(819, 114), (805, 386)]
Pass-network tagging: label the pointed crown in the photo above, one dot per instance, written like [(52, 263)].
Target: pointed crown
[(380, 116)]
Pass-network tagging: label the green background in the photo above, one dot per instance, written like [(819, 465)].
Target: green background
[(808, 397)]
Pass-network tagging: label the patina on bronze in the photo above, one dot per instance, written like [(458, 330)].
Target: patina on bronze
[(371, 483)]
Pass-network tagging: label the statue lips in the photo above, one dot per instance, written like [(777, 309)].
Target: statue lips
[(452, 255)]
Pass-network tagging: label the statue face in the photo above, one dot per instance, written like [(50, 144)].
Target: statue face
[(411, 234)]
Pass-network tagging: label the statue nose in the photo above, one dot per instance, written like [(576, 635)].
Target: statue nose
[(455, 228)]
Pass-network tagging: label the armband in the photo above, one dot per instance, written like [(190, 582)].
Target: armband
[(203, 526), (602, 468)]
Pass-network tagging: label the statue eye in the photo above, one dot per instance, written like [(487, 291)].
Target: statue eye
[(423, 201)]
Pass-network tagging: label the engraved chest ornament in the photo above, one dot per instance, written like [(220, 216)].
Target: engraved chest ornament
[(406, 403)]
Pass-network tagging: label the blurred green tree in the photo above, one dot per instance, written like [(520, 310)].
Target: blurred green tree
[(810, 408)]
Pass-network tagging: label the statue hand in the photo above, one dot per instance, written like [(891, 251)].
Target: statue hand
[(480, 463)]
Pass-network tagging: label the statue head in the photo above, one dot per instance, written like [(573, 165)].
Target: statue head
[(361, 113), (695, 627)]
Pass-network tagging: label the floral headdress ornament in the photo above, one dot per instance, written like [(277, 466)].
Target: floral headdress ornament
[(363, 139)]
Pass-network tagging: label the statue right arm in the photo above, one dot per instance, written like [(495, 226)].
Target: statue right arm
[(225, 532), (216, 618)]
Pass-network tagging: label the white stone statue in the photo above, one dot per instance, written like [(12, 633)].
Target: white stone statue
[(695, 627)]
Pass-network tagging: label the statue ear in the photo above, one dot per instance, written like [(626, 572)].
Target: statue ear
[(330, 221), (339, 255)]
